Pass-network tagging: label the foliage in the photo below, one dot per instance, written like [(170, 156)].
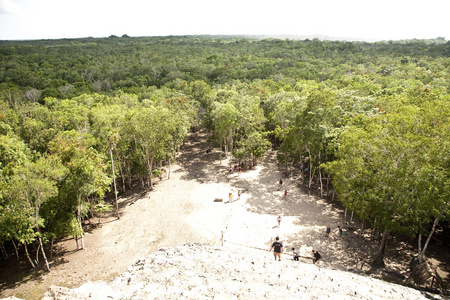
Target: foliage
[(372, 116), (102, 208), (392, 170)]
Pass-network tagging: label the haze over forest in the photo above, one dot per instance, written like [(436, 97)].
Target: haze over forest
[(346, 19)]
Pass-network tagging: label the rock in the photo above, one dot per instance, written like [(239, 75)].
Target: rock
[(197, 271)]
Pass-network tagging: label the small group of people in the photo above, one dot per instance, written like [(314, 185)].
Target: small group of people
[(328, 231), (280, 187), (242, 166), (230, 196), (277, 248), (235, 169)]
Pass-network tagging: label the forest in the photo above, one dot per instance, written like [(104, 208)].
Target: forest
[(368, 123)]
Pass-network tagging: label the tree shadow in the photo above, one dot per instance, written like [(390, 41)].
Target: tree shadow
[(200, 163), (16, 272)]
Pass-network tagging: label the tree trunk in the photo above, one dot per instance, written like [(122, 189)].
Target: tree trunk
[(433, 228), (231, 141), (373, 229), (320, 175), (43, 252), (28, 256), (129, 177), (51, 248), (150, 169), (378, 261), (220, 158), (168, 173), (328, 186), (15, 248), (345, 215), (321, 184), (419, 248), (4, 253), (80, 225), (310, 174), (114, 180), (37, 255)]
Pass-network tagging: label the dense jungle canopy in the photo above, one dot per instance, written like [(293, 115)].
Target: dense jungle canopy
[(369, 120)]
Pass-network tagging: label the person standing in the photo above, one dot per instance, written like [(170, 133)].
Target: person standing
[(295, 254), (285, 195), (280, 184), (328, 231), (277, 248), (340, 232)]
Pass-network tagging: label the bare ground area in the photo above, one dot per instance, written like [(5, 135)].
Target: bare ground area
[(181, 209)]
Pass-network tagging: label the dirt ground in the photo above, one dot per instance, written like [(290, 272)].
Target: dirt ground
[(181, 209)]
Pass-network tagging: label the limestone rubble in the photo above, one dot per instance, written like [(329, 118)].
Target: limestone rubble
[(198, 271)]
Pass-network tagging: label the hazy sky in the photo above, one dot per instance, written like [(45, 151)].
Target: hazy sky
[(357, 19)]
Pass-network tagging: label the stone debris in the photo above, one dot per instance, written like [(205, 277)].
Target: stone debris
[(198, 271)]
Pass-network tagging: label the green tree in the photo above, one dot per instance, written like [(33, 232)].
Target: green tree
[(392, 170), (225, 122), (86, 174), (13, 218), (151, 132), (31, 186), (107, 121), (255, 145)]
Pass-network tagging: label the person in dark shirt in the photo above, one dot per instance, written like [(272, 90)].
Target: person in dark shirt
[(316, 255), (277, 247)]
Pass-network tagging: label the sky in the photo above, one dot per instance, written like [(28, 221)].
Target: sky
[(369, 20)]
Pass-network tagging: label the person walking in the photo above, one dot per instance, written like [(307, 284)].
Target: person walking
[(340, 232), (285, 195), (280, 184), (295, 254), (316, 256), (277, 248), (279, 220)]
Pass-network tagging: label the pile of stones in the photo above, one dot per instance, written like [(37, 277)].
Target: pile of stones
[(197, 271)]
